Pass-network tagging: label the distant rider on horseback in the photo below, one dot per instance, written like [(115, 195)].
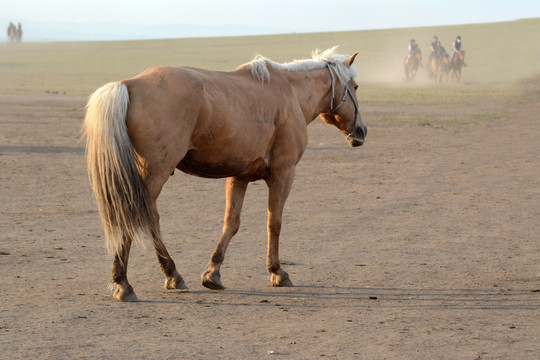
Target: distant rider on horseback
[(413, 49), (457, 47), (433, 47), (439, 50)]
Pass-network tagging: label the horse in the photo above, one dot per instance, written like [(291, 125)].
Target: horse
[(439, 67), (456, 65), (245, 125), (411, 63)]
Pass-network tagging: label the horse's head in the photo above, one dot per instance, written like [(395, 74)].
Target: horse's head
[(343, 110)]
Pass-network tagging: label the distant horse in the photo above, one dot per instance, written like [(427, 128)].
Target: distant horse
[(411, 63), (439, 67), (456, 65), (244, 125)]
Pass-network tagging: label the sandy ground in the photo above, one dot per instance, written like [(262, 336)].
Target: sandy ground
[(422, 244)]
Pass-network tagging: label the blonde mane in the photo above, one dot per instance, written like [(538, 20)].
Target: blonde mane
[(319, 60)]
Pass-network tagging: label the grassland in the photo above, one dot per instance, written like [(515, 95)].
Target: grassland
[(497, 54)]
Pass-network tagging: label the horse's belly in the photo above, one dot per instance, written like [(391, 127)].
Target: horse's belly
[(244, 169)]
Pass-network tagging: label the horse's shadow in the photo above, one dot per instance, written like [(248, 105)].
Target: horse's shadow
[(309, 296)]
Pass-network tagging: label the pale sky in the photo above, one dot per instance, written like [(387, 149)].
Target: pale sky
[(299, 15)]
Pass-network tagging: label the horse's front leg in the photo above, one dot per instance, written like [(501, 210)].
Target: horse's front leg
[(235, 192), (279, 187)]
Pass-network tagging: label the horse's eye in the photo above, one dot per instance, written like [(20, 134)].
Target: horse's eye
[(355, 87)]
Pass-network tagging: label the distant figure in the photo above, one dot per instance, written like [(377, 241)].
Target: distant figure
[(11, 32), (457, 60), (412, 60), (14, 33), (433, 47), (439, 62), (440, 51), (413, 49), (19, 33), (457, 48)]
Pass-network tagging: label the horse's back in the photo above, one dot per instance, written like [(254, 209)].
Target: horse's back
[(175, 82), (188, 89), (207, 123)]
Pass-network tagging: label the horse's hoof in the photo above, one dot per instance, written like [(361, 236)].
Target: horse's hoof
[(212, 281), (175, 282), (125, 295), (281, 280)]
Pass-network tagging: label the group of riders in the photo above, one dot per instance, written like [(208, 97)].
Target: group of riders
[(14, 33), (438, 60)]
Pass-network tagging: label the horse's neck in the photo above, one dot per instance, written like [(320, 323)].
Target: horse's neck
[(311, 88)]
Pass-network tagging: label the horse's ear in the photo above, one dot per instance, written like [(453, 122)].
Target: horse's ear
[(350, 60)]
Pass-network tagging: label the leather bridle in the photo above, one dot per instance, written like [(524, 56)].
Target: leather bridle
[(343, 99)]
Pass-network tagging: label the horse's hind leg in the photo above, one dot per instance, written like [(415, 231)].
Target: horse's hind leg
[(236, 190), (173, 280), (123, 291)]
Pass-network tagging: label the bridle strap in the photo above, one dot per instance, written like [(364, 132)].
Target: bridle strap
[(333, 88), (343, 99)]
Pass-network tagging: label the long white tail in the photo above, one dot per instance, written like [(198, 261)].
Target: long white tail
[(112, 167)]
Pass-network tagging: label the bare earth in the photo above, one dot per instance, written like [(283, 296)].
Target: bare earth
[(422, 244)]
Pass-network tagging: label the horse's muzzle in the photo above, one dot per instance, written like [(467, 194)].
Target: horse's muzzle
[(358, 136)]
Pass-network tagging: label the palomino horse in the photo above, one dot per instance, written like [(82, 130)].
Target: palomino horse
[(456, 65), (411, 64), (244, 125)]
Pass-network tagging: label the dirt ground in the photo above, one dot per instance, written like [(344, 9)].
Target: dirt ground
[(422, 244)]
